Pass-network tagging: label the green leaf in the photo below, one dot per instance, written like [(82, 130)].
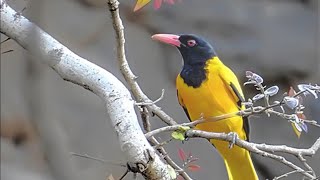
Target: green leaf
[(178, 135), (140, 4), (184, 128), (172, 172)]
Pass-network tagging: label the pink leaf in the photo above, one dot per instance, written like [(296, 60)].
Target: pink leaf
[(182, 154), (291, 92), (301, 116), (180, 178), (194, 167), (157, 4)]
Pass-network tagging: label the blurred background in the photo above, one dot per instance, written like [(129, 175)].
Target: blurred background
[(44, 118)]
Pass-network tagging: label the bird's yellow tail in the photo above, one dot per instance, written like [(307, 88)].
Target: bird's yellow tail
[(237, 160)]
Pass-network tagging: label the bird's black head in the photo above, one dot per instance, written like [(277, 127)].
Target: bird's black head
[(194, 49)]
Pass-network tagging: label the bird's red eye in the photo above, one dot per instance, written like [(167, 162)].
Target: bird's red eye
[(191, 43)]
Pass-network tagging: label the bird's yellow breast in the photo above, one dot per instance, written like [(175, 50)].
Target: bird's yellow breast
[(212, 98)]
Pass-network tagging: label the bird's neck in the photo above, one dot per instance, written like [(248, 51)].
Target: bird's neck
[(194, 74)]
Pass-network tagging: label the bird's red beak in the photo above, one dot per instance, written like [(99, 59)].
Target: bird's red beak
[(168, 39)]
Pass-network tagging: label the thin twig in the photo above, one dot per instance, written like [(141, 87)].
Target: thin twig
[(285, 175), (222, 117), (145, 119), (286, 162), (96, 159), (304, 162), (124, 175), (128, 74), (312, 122), (168, 159), (151, 103), (163, 143), (88, 157), (163, 129), (222, 136)]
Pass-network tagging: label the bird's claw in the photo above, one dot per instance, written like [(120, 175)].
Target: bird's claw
[(186, 138), (234, 137)]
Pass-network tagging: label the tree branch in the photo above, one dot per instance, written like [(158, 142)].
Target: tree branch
[(142, 99), (264, 149), (286, 174), (77, 70), (124, 66)]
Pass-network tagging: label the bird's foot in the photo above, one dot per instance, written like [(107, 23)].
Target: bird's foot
[(186, 138), (234, 137)]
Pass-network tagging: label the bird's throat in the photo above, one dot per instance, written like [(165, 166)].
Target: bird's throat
[(194, 75)]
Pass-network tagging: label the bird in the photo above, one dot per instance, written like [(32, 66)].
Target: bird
[(206, 88)]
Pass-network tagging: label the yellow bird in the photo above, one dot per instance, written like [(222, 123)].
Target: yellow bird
[(207, 88)]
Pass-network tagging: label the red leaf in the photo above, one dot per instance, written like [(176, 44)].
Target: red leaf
[(182, 154), (301, 116), (157, 4), (291, 92), (180, 178), (194, 167)]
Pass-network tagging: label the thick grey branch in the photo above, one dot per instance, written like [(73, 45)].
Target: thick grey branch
[(73, 68), (144, 101)]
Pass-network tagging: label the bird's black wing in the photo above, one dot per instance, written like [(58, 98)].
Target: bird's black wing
[(182, 105), (246, 125)]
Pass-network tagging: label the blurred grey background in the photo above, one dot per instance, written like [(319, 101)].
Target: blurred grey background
[(276, 39)]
